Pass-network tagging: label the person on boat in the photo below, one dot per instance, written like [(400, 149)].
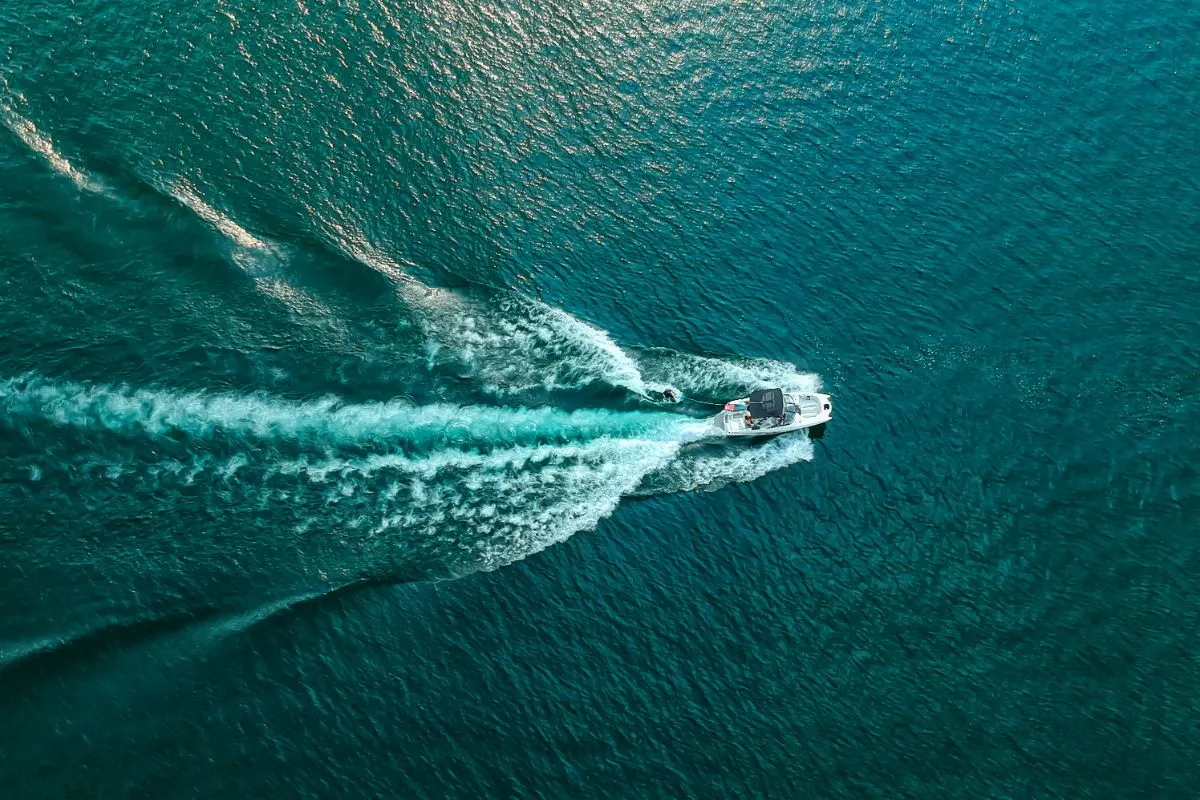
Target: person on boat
[(749, 420)]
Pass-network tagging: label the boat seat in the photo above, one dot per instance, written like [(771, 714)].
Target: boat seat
[(810, 407)]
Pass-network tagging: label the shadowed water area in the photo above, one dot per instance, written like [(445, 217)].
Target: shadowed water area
[(327, 462)]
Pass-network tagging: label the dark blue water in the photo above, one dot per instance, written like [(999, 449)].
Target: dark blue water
[(326, 459)]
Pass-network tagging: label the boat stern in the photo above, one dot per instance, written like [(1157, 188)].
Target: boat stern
[(826, 407)]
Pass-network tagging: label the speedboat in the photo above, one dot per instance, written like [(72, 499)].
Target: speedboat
[(770, 412)]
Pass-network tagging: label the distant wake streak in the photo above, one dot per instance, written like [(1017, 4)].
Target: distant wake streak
[(42, 145)]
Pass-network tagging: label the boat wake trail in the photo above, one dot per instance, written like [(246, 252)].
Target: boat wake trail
[(325, 422), (443, 490), (432, 489)]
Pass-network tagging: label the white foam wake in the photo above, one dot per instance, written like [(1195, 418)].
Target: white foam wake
[(512, 344), (713, 468), (448, 513), (497, 507), (459, 488), (725, 377), (121, 409)]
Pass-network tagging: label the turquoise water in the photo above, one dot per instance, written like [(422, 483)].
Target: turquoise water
[(327, 468)]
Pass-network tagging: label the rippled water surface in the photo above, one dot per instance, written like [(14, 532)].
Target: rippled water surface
[(326, 457)]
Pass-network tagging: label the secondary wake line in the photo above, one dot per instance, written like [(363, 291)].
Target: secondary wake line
[(43, 146)]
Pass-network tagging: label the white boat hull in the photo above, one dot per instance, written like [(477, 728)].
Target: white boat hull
[(806, 410)]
